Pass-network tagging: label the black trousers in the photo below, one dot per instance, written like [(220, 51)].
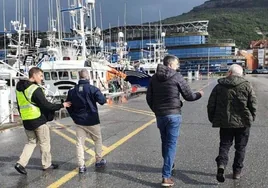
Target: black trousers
[(227, 135)]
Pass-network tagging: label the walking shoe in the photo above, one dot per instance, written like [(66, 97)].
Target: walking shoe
[(82, 169), (236, 175), (20, 169), (167, 182), (101, 163), (220, 174), (52, 166)]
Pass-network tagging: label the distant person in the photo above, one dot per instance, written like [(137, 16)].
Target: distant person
[(163, 97), (34, 110), (84, 112), (232, 107)]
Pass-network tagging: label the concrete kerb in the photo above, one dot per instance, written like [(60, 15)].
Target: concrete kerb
[(10, 125)]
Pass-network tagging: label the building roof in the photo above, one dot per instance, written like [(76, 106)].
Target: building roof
[(259, 44), (182, 27)]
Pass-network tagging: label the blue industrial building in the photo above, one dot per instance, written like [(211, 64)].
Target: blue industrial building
[(189, 41)]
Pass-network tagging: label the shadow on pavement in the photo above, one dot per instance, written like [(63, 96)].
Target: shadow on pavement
[(182, 175), (35, 163)]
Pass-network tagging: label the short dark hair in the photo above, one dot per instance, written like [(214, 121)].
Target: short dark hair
[(34, 70), (169, 59)]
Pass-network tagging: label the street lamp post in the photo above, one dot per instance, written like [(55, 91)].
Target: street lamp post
[(208, 61)]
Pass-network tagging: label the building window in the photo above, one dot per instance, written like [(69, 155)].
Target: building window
[(91, 75), (63, 75), (47, 75), (74, 75), (54, 75)]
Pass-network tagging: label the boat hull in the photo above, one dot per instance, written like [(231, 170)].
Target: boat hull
[(137, 78)]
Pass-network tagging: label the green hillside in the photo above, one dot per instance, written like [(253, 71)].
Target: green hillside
[(229, 23)]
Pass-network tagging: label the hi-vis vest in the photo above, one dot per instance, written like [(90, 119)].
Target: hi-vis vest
[(28, 110)]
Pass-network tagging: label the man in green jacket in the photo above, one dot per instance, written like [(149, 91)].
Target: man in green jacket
[(232, 107)]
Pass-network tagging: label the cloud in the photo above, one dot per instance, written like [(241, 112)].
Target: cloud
[(111, 10)]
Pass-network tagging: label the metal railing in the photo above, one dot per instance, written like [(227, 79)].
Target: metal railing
[(220, 41)]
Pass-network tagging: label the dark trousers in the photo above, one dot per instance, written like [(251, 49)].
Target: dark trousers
[(227, 135)]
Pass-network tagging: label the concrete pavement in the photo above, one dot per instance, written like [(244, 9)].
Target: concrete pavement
[(132, 149)]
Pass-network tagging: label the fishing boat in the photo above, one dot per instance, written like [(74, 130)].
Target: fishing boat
[(66, 57)]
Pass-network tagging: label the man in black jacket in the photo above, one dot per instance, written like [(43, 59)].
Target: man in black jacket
[(163, 97), (33, 108), (232, 108), (84, 112)]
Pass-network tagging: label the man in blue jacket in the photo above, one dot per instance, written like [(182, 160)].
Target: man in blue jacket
[(84, 113), (163, 97)]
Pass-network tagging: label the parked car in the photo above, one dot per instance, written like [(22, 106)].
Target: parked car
[(264, 71), (255, 71), (260, 71)]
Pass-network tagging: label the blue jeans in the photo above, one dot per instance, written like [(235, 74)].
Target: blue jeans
[(169, 127)]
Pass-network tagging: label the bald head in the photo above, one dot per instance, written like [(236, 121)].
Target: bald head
[(235, 70), (83, 74)]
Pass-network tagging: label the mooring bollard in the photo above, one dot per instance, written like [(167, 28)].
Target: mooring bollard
[(196, 75), (190, 76)]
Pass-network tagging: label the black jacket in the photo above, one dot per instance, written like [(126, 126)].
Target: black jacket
[(163, 93), (84, 110), (232, 103), (40, 100)]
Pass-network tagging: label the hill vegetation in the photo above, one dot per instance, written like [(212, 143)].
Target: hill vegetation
[(230, 19)]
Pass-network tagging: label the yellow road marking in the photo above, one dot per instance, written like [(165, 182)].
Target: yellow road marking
[(134, 111), (89, 151), (209, 83), (74, 133), (125, 107), (144, 112), (123, 140), (74, 172)]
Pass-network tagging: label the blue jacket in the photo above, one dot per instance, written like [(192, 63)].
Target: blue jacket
[(84, 98)]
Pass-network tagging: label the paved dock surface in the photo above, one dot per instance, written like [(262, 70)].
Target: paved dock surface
[(132, 148)]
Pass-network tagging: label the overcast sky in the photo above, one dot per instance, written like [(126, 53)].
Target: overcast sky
[(111, 10)]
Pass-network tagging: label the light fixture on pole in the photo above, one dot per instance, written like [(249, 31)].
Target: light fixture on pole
[(208, 61)]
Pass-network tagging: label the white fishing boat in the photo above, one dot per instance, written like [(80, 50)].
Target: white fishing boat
[(84, 50), (146, 67)]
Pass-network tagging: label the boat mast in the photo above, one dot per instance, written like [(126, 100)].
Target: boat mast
[(59, 25), (4, 21), (82, 32), (142, 35), (90, 7)]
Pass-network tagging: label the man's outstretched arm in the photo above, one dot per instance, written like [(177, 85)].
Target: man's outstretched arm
[(186, 91)]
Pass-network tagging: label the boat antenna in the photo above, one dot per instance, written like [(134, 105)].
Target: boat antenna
[(4, 23), (141, 35), (125, 20)]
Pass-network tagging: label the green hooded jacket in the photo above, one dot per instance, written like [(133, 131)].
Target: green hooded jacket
[(232, 103)]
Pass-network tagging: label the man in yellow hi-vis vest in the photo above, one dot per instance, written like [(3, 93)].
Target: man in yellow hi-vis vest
[(33, 108)]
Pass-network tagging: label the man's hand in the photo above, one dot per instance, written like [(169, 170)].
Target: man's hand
[(201, 93), (67, 104)]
